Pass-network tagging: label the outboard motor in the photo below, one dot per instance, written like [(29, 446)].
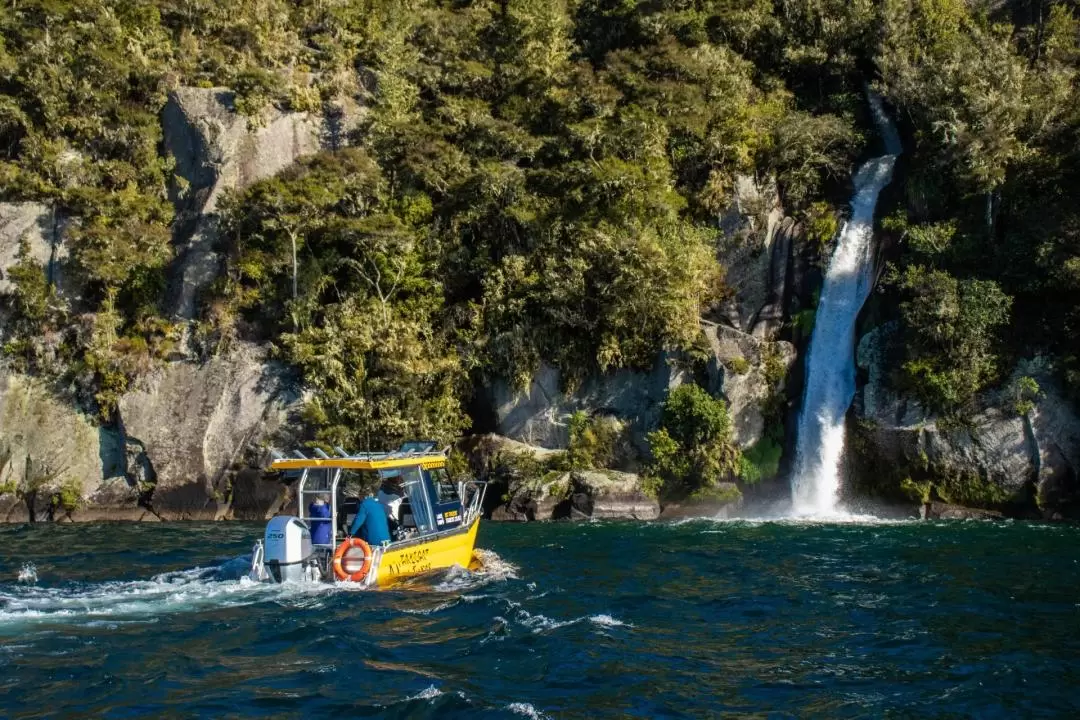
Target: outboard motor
[(287, 550)]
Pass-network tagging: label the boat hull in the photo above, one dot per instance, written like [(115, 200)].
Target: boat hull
[(445, 550)]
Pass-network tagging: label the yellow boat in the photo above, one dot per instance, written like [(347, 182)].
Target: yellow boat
[(433, 519)]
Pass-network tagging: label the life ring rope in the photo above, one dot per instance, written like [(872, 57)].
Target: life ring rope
[(339, 560)]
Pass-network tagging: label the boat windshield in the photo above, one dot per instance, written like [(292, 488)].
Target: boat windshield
[(415, 489)]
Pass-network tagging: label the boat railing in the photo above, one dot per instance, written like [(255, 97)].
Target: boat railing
[(476, 501)]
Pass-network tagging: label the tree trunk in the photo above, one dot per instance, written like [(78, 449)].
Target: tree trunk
[(292, 237)]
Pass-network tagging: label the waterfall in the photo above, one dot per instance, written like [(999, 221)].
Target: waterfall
[(830, 366)]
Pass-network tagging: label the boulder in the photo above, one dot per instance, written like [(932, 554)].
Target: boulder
[(945, 511), (483, 451), (613, 495), (748, 372), (217, 150), (197, 421), (576, 495), (539, 415)]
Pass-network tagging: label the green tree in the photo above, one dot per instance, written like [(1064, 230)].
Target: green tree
[(693, 448), (950, 328)]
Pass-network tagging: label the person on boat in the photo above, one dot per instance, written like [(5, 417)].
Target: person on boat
[(390, 496), (320, 529), (370, 523)]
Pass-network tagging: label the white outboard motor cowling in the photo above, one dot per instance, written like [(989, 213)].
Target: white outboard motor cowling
[(287, 546)]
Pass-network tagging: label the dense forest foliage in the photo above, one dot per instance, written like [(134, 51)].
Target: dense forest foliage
[(539, 181)]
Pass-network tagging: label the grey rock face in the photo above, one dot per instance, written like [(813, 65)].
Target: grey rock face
[(746, 370), (1009, 455), (1054, 430), (47, 446), (217, 150), (196, 421), (43, 229), (756, 251), (187, 442), (256, 496), (540, 415)]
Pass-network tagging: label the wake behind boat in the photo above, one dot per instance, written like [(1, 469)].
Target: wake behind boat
[(338, 532)]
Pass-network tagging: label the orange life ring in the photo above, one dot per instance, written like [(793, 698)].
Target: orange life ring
[(339, 559)]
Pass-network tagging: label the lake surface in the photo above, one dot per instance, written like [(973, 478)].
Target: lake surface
[(697, 619)]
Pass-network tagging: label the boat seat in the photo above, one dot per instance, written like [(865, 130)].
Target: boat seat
[(407, 520), (346, 513)]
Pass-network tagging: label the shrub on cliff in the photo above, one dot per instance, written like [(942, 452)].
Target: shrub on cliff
[(694, 447), (951, 334)]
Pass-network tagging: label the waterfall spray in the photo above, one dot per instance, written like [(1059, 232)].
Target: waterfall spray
[(830, 366)]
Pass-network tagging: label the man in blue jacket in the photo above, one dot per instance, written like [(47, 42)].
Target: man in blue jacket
[(320, 529), (370, 523)]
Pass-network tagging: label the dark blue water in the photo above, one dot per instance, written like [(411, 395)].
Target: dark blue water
[(701, 619)]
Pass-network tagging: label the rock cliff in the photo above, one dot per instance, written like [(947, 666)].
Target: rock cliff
[(540, 415), (996, 458), (758, 245), (218, 150), (748, 372), (185, 437), (194, 423)]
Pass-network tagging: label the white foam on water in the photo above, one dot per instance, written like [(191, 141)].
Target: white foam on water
[(431, 610), (539, 623), (195, 589), (28, 573), (145, 600), (494, 567), (830, 365), (429, 693), (716, 526), (526, 709)]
